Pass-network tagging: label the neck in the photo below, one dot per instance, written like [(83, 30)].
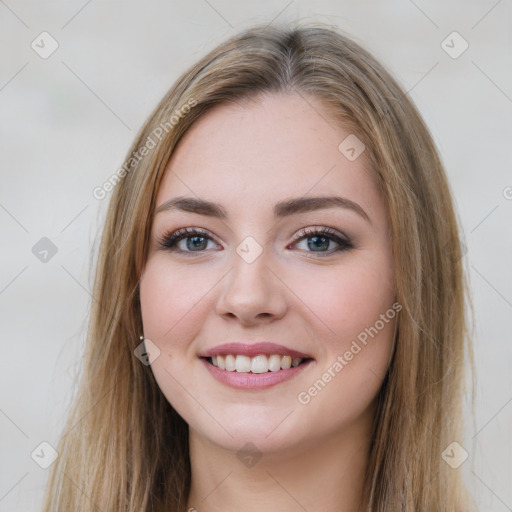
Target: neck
[(326, 475)]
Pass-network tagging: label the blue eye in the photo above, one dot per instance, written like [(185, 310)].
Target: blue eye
[(319, 241), (195, 240)]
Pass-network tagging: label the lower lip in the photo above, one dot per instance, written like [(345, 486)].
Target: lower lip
[(249, 380)]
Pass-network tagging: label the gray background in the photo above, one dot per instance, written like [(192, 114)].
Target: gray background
[(66, 124)]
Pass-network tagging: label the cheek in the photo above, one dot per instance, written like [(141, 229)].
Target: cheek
[(173, 304), (350, 299), (355, 321), (172, 300)]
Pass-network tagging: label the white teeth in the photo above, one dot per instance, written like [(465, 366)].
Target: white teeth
[(230, 363), (257, 364), (286, 362), (274, 363), (243, 364)]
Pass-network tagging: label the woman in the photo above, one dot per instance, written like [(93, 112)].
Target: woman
[(283, 241)]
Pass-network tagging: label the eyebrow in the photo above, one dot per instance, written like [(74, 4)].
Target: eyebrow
[(281, 209)]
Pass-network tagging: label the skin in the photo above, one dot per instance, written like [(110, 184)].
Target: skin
[(247, 157)]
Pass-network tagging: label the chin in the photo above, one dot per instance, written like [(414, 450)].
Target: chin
[(268, 430)]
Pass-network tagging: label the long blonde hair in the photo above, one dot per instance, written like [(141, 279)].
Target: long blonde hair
[(124, 448)]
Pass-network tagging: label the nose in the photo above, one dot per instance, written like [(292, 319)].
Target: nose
[(252, 293)]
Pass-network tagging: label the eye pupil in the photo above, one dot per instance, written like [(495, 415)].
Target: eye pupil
[(324, 242)]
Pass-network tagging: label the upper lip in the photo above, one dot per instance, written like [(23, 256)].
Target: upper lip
[(252, 350)]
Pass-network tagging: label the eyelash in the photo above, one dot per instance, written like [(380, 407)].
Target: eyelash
[(170, 240)]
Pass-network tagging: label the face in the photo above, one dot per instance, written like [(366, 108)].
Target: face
[(280, 255)]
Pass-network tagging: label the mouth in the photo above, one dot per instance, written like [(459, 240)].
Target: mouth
[(254, 366), (261, 363)]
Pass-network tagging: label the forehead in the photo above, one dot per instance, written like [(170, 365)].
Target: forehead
[(263, 150)]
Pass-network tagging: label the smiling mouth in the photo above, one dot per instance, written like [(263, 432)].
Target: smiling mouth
[(259, 364)]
